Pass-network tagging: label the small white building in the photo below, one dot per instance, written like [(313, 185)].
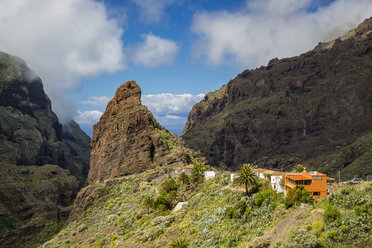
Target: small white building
[(275, 178), (275, 181), (209, 174), (233, 176)]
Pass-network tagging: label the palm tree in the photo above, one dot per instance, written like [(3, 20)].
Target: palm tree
[(298, 168), (247, 177)]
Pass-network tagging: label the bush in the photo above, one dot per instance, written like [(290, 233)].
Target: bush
[(332, 214), (162, 203), (298, 195), (179, 243), (317, 228), (301, 238), (268, 195), (169, 185), (259, 242)]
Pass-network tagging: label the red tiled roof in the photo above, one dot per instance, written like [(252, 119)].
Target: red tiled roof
[(190, 166)]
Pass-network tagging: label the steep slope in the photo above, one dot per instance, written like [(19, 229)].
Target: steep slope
[(35, 195), (79, 145), (34, 203), (217, 214), (292, 110), (30, 133)]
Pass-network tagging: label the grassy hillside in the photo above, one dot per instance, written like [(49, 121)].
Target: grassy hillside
[(218, 214)]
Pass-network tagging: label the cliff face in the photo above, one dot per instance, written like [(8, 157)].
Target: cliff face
[(30, 133), (35, 196), (128, 139), (292, 110)]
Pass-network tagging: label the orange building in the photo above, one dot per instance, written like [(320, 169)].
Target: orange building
[(314, 182)]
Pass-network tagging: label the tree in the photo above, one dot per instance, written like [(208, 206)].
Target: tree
[(148, 203), (196, 176), (298, 168), (183, 178), (247, 177)]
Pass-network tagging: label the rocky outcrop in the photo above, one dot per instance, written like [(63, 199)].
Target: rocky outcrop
[(30, 133), (292, 110), (128, 139)]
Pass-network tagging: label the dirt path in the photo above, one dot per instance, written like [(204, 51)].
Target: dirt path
[(281, 230)]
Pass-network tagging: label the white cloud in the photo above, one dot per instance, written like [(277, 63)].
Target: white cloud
[(62, 41), (155, 51), (167, 103), (169, 109), (88, 117), (152, 11), (96, 100), (265, 29)]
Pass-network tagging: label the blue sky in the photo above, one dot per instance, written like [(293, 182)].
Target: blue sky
[(176, 50)]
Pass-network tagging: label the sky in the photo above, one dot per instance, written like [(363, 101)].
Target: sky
[(176, 50)]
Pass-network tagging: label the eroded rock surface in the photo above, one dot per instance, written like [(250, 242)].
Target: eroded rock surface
[(292, 110)]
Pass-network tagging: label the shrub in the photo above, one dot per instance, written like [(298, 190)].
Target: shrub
[(301, 238), (332, 214), (183, 178), (162, 203), (269, 195), (259, 242), (297, 195), (317, 228), (169, 185), (179, 243)]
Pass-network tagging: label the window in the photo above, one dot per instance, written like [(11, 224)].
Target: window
[(317, 178), (316, 193)]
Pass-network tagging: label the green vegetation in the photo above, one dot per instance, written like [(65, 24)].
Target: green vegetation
[(136, 212), (298, 195), (247, 178), (298, 168), (196, 176)]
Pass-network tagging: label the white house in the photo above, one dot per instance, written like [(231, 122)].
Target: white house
[(275, 177), (209, 174), (275, 181)]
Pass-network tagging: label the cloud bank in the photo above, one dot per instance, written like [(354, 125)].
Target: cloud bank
[(62, 42), (171, 110), (155, 51), (266, 29)]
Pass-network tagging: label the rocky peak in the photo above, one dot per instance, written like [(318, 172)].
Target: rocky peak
[(128, 92), (128, 139)]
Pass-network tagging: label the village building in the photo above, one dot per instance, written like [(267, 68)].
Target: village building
[(233, 176), (187, 169), (313, 181), (209, 174), (274, 176)]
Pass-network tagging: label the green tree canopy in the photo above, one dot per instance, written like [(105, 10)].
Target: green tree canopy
[(247, 178), (298, 168)]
